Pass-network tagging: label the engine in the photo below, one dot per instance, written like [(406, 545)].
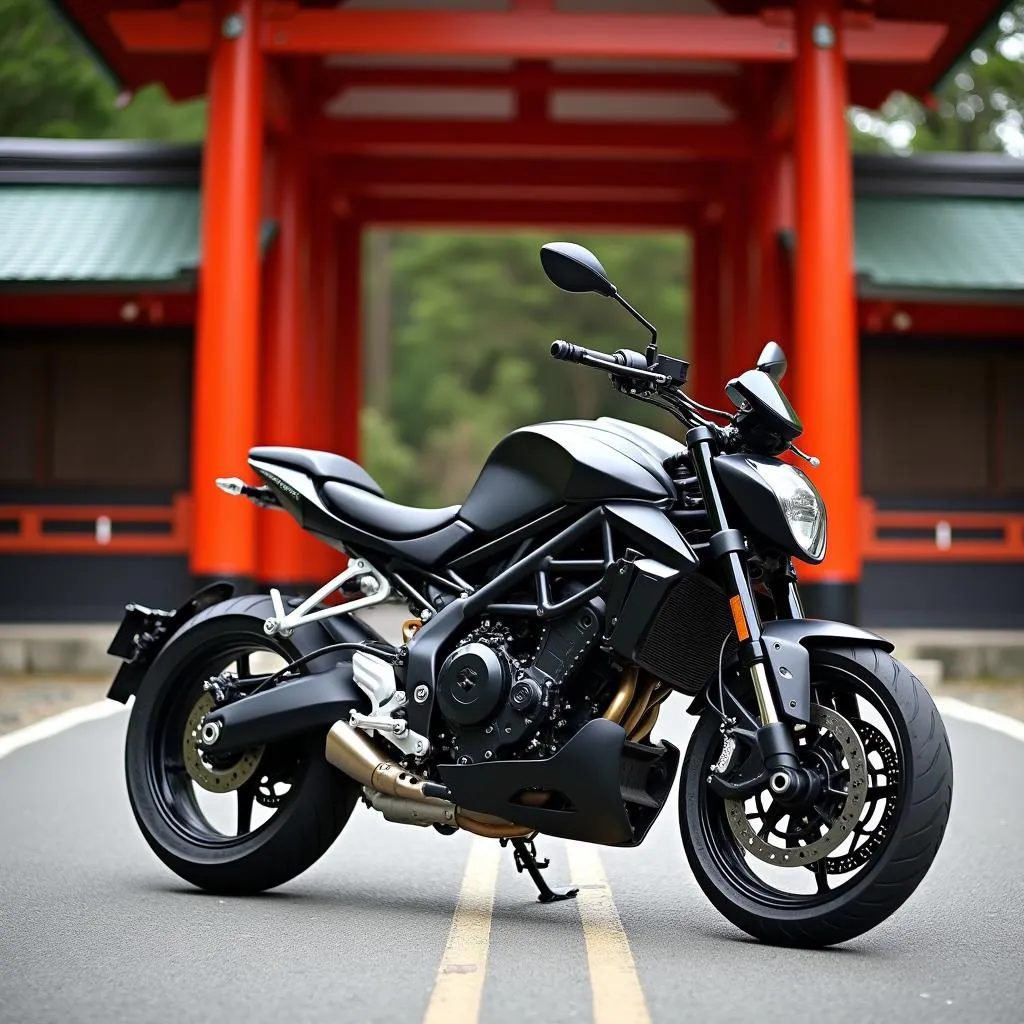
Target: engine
[(503, 690)]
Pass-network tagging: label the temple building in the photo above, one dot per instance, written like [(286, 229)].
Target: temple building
[(164, 308)]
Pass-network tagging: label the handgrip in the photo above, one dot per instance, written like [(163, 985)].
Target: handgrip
[(624, 363), (570, 353), (566, 351)]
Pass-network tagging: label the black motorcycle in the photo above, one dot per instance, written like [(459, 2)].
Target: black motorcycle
[(595, 569)]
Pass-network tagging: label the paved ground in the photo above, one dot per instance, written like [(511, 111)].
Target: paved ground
[(1006, 698), (95, 929), (27, 699)]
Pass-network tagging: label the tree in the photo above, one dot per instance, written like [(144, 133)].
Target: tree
[(978, 106), (50, 86), (472, 319)]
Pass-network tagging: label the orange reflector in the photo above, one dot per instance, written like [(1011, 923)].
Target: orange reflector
[(736, 606)]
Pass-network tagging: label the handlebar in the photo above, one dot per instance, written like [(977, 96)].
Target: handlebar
[(663, 390), (624, 363)]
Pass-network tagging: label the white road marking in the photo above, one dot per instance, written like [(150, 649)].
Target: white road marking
[(460, 976), (56, 724), (617, 995), (981, 716)]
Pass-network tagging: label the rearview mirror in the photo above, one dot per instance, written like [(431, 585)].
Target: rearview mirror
[(772, 361), (575, 269)]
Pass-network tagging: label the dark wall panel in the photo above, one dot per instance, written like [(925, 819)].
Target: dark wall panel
[(22, 397), (943, 595), (88, 588), (1010, 425), (942, 420), (120, 413), (925, 421), (87, 408)]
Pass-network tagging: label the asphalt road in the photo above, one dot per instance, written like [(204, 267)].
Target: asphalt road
[(94, 928)]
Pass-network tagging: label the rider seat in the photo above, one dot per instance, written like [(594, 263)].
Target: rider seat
[(354, 496), (377, 515)]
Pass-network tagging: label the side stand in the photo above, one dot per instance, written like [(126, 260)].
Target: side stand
[(526, 860)]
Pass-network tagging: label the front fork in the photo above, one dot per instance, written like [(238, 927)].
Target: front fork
[(728, 547)]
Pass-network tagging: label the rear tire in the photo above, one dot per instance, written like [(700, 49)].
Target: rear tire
[(895, 868), (310, 816)]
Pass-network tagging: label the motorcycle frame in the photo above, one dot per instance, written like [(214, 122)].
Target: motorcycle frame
[(283, 623), (727, 547)]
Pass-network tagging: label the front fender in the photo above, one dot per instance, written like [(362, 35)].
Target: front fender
[(788, 643)]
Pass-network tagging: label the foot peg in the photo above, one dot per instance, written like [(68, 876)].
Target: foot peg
[(526, 860)]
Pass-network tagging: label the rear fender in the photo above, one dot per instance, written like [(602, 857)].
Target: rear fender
[(144, 632)]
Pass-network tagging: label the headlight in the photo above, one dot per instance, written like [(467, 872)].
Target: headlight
[(801, 505)]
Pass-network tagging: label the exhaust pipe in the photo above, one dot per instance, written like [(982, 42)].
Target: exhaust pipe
[(402, 796), (351, 752), (411, 812)]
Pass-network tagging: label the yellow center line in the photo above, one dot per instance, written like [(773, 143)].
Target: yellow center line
[(460, 977), (618, 997)]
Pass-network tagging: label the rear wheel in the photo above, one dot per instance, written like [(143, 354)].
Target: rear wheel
[(835, 868), (243, 823)]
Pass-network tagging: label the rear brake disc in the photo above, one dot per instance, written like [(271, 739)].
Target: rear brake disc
[(215, 779)]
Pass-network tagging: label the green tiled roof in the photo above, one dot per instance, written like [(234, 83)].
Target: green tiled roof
[(907, 245), (101, 235), (107, 234)]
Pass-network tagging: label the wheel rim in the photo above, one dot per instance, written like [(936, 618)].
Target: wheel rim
[(255, 789), (863, 706)]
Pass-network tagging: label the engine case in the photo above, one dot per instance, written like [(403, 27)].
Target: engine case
[(495, 702)]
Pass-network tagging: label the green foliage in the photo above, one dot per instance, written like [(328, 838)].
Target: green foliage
[(51, 86), (390, 462), (151, 115), (473, 317), (978, 106)]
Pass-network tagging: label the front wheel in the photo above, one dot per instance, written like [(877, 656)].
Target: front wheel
[(828, 871)]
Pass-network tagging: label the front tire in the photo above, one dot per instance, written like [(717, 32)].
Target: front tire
[(903, 824), (169, 806)]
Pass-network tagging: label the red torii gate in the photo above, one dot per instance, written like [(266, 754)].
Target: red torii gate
[(732, 183)]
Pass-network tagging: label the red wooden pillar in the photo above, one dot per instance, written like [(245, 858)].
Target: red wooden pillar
[(826, 352), (227, 336), (323, 325), (772, 214), (706, 313), (280, 542), (320, 366), (736, 301), (348, 392)]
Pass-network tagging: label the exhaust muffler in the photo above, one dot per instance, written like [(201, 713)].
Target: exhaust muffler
[(402, 796)]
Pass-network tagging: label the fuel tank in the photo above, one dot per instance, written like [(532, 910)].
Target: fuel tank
[(567, 462)]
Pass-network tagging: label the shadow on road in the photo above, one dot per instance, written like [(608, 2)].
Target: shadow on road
[(370, 900), (526, 910)]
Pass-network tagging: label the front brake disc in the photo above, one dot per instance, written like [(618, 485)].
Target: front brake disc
[(844, 818), (883, 779), (216, 779)]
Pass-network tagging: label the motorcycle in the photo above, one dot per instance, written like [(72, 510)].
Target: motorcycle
[(595, 569)]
